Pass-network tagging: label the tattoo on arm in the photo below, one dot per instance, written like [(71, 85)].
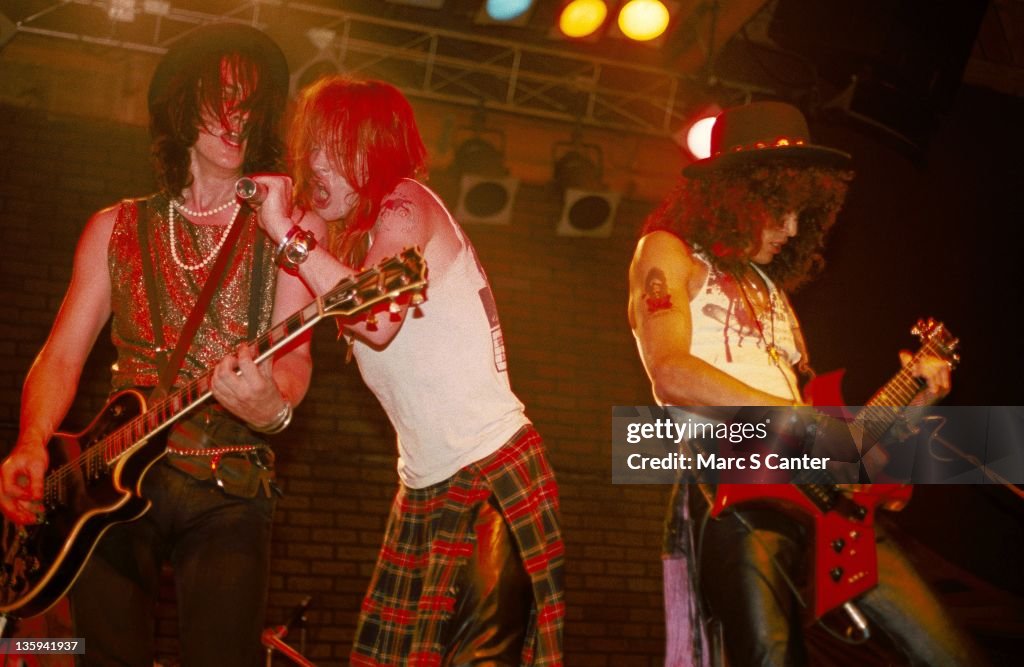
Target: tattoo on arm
[(656, 291)]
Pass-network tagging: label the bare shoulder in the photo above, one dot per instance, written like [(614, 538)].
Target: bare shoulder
[(107, 216), (413, 213), (101, 225), (663, 249)]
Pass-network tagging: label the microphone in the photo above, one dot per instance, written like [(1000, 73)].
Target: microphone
[(250, 191)]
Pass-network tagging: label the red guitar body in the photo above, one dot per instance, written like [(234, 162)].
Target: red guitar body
[(844, 559), (843, 554)]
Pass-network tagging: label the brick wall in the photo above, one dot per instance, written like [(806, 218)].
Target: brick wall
[(571, 356)]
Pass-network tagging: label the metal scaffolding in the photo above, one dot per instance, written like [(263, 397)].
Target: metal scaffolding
[(424, 61)]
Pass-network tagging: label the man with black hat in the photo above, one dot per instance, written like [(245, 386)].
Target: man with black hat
[(215, 102), (714, 327)]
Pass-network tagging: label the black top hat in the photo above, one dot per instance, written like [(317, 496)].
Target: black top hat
[(217, 40), (763, 132)]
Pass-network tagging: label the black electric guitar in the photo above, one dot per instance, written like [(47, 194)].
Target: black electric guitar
[(94, 478)]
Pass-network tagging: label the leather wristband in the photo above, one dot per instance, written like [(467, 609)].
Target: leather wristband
[(295, 248)]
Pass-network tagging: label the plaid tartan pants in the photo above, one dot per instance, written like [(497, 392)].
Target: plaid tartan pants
[(430, 537)]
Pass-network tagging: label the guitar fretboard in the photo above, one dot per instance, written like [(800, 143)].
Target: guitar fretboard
[(884, 408)]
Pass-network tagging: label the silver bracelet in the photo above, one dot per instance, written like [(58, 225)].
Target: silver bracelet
[(280, 423), (295, 248)]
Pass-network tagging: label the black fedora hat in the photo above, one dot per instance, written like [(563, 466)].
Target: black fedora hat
[(763, 132), (214, 40)]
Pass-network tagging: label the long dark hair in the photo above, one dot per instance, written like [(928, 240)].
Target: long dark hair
[(176, 115), (723, 213)]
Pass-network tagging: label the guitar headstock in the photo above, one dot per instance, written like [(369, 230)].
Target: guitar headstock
[(386, 282), (938, 340)]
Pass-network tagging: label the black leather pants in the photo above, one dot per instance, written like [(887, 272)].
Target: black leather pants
[(494, 596)]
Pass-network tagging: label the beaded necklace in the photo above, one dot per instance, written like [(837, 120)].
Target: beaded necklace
[(202, 214)]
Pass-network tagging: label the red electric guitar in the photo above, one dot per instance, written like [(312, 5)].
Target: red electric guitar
[(843, 553)]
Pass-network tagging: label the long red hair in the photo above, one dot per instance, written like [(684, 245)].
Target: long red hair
[(369, 133)]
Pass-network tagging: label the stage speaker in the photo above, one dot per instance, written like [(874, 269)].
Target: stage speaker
[(485, 199), (588, 213)]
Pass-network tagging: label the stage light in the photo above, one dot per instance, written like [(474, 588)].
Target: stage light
[(698, 138), (643, 20), (486, 191), (582, 18), (588, 208), (507, 10), (695, 136), (588, 213)]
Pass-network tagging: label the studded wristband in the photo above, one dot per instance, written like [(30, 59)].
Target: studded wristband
[(295, 248)]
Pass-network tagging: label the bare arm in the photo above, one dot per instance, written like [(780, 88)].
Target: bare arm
[(408, 218), (257, 393), (660, 318), (52, 381)]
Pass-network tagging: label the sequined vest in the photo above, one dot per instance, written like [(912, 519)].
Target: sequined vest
[(233, 305)]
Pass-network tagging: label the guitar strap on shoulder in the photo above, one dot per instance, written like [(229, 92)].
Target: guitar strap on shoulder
[(188, 332), (149, 281), (256, 286)]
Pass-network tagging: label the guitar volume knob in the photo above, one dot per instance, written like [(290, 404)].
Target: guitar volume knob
[(836, 573), (838, 544)]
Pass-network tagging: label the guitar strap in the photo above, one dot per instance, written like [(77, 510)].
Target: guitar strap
[(188, 332)]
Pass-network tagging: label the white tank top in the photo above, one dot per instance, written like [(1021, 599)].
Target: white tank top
[(726, 334), (442, 379)]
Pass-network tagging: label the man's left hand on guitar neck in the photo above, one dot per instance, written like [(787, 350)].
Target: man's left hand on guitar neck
[(935, 371)]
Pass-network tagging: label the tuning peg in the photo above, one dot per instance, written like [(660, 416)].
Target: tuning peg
[(395, 311), (926, 328), (415, 301)]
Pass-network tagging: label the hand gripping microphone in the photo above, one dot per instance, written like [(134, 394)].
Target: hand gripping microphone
[(250, 191)]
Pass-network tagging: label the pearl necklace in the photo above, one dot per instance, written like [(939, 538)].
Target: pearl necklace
[(201, 214), (220, 244)]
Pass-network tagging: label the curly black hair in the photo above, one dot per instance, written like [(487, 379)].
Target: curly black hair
[(724, 213)]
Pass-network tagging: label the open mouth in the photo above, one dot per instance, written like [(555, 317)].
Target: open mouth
[(233, 139), (321, 195)]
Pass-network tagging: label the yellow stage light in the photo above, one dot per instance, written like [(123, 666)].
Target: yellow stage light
[(581, 18), (643, 20)]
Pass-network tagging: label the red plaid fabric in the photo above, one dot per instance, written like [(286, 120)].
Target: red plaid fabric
[(430, 536)]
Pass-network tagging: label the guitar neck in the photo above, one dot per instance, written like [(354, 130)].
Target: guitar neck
[(161, 414), (882, 409), (168, 410)]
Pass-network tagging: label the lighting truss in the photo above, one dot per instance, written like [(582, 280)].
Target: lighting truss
[(423, 61)]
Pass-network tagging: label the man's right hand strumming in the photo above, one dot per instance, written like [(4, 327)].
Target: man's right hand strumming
[(21, 483)]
